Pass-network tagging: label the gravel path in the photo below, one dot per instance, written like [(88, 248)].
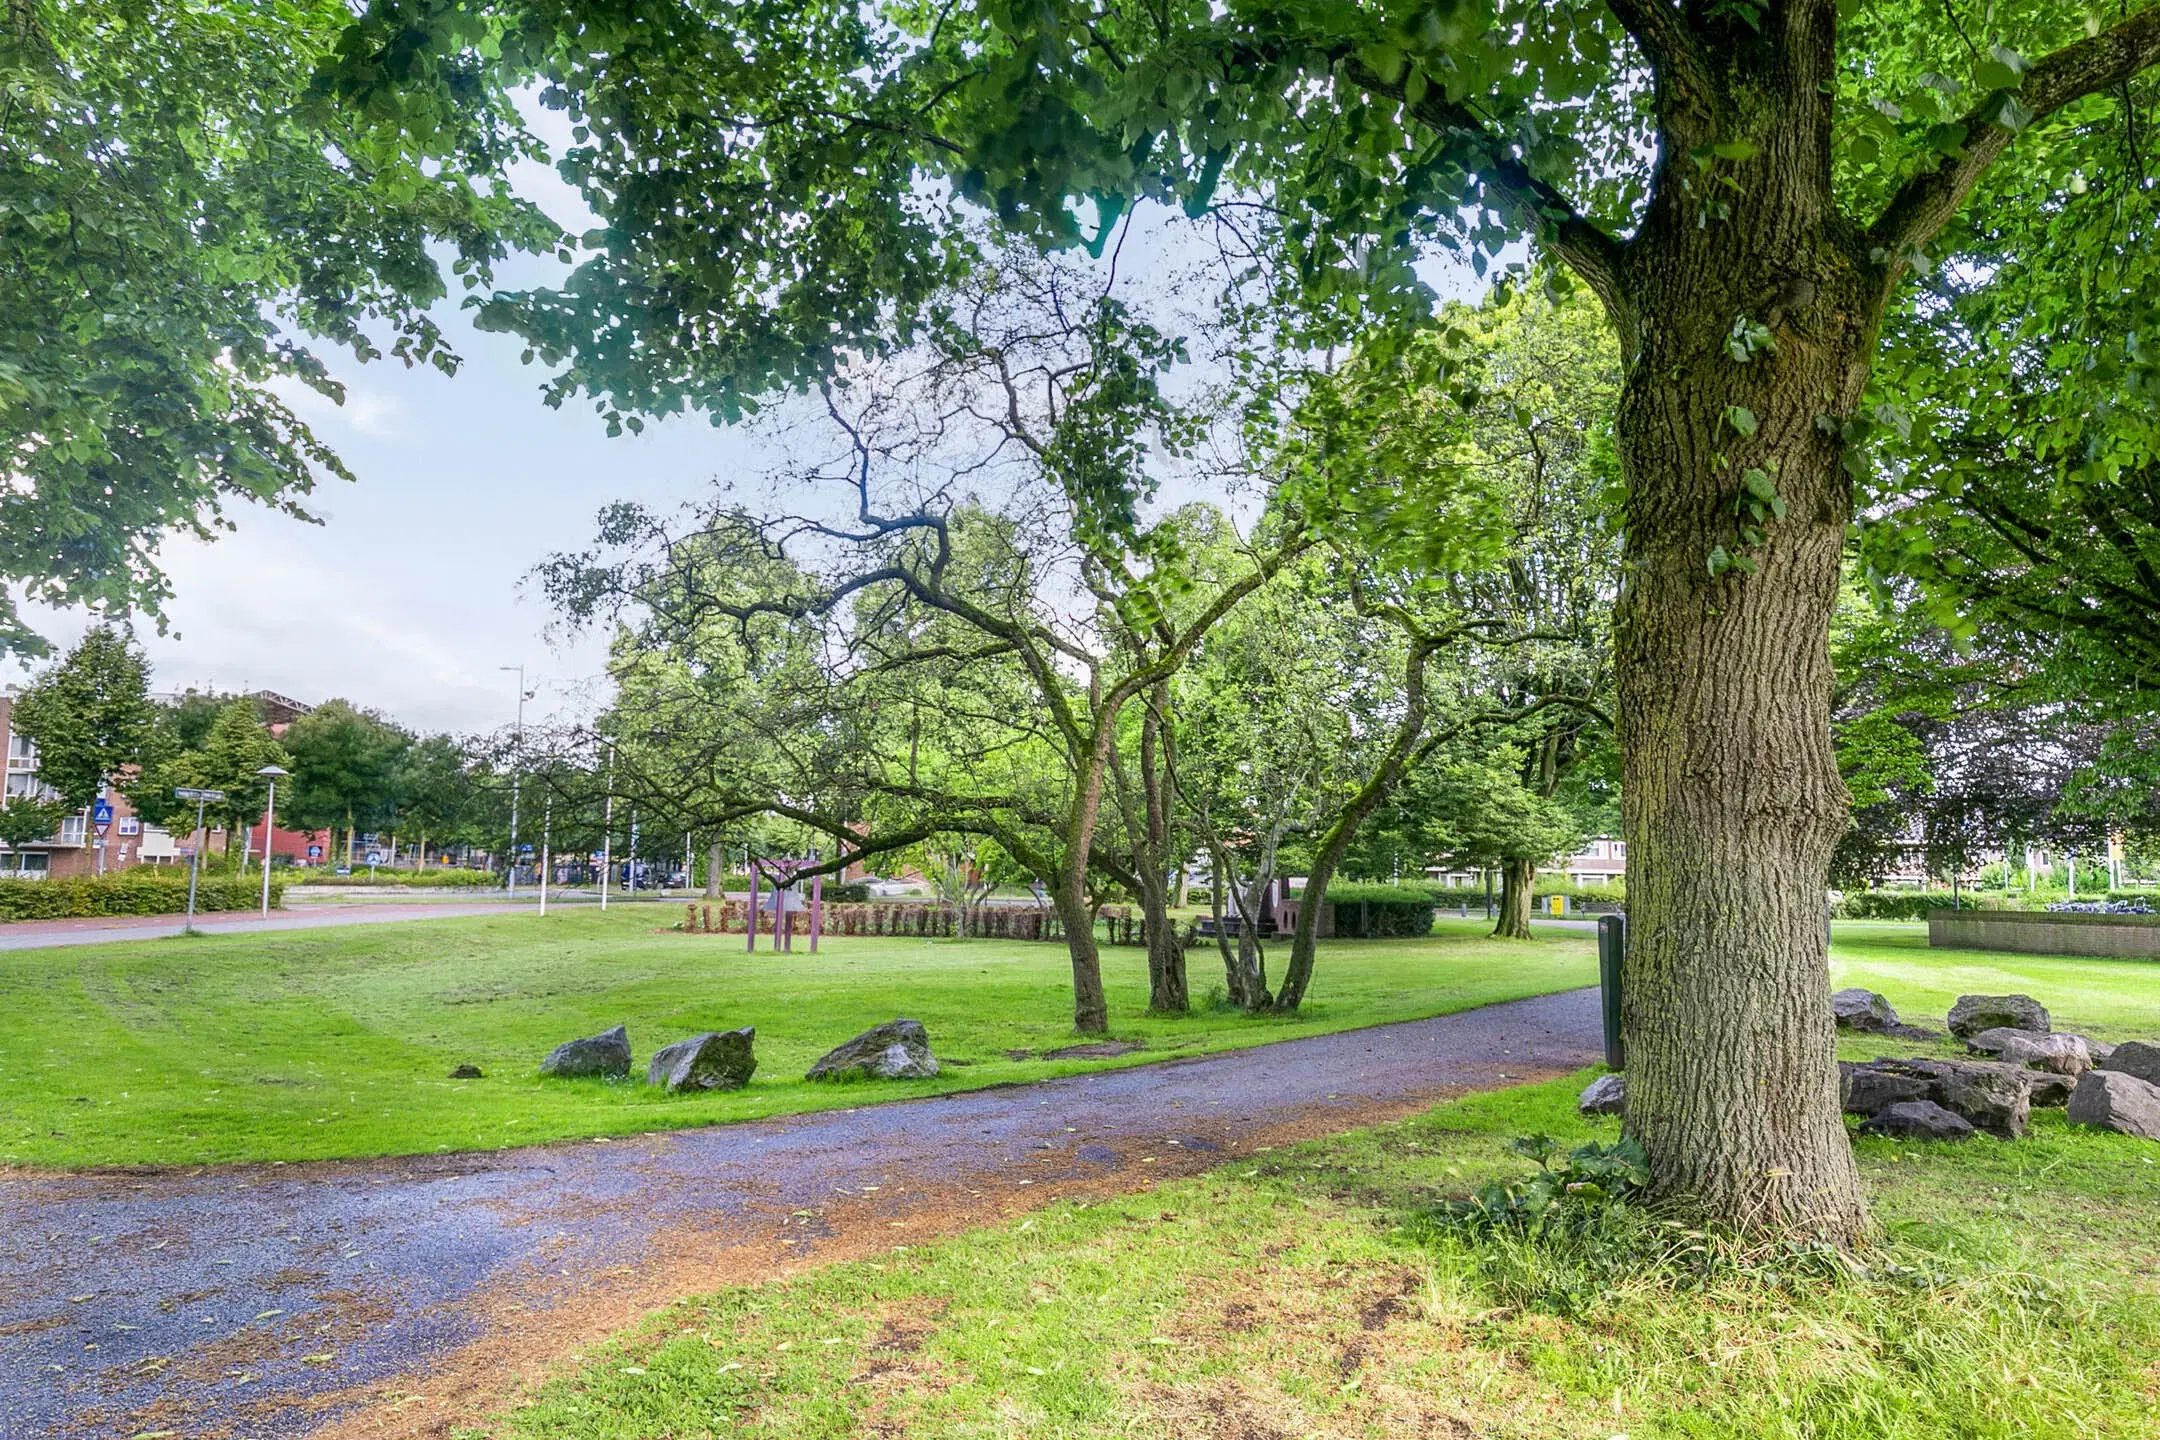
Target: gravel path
[(392, 1297)]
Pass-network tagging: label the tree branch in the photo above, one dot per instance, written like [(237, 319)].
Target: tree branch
[(1676, 56), (1927, 202), (1529, 201)]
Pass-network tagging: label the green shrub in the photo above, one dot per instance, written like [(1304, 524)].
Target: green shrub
[(1611, 892), (2150, 897), (447, 877), (1381, 912), (1911, 904), (139, 890), (846, 892)]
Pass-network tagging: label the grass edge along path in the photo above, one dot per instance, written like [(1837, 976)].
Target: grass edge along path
[(338, 1042), (1308, 1293)]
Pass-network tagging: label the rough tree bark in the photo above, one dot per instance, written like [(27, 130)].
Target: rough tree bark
[(1731, 800), (715, 870)]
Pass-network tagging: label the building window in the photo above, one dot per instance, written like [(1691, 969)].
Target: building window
[(71, 830)]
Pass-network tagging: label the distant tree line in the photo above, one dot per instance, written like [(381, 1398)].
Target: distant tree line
[(353, 770)]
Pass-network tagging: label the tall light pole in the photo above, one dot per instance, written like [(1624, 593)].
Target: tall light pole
[(547, 845), (517, 755), (271, 774), (607, 830)]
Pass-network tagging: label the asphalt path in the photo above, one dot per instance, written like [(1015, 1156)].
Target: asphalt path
[(399, 1295)]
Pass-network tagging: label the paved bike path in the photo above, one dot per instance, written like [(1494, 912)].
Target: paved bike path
[(388, 1295)]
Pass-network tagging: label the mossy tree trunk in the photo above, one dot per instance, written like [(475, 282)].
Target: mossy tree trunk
[(1518, 881)]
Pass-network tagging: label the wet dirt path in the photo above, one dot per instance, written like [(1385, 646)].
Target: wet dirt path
[(399, 1297)]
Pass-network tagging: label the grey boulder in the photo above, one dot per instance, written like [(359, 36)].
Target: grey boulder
[(2049, 1090), (607, 1053), (1991, 1097), (2063, 1054), (2135, 1057), (896, 1050), (1917, 1120), (715, 1060), (1870, 1089), (1606, 1095), (1863, 1010), (1994, 1098), (2119, 1101), (1975, 1013)]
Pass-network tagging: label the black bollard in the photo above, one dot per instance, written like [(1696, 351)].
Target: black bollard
[(1611, 947)]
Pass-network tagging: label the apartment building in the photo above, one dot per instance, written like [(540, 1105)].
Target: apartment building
[(130, 840), (1601, 861)]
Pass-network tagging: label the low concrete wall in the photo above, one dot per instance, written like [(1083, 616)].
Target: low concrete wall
[(2044, 932)]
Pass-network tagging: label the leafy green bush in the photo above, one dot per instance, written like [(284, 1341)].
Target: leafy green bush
[(1571, 1199), (1611, 892), (139, 890), (1381, 912), (447, 877), (846, 892), (1910, 904), (2150, 897)]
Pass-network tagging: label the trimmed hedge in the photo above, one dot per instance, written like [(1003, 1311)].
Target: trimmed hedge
[(1381, 912), (141, 890), (1911, 904), (447, 878)]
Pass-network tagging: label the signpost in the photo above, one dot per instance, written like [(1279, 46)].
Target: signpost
[(201, 798), (101, 816)]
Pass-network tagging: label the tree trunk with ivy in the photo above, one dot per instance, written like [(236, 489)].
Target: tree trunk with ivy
[(1750, 311)]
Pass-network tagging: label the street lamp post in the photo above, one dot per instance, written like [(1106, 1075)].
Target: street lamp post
[(607, 832), (547, 843), (517, 755), (271, 774)]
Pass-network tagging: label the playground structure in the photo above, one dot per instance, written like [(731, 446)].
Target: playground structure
[(786, 902)]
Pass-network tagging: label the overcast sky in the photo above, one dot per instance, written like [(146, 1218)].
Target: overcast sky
[(410, 595)]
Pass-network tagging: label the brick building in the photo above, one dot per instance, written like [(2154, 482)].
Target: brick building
[(130, 840)]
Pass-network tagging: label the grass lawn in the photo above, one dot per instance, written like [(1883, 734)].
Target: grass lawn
[(337, 1042), (2017, 1295), (2108, 999)]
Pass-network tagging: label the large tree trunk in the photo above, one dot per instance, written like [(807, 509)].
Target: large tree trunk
[(716, 870), (1517, 879), (1731, 796)]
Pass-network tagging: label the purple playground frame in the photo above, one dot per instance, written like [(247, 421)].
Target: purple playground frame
[(782, 870)]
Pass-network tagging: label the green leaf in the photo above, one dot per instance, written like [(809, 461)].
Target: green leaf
[(1741, 419)]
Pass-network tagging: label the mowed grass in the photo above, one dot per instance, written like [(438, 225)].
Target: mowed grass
[(2109, 999), (338, 1042), (1311, 1294)]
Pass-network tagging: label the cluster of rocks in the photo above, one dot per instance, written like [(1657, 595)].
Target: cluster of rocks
[(2019, 1062), (2022, 1062), (726, 1059)]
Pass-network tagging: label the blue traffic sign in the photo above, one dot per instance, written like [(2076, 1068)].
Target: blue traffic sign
[(101, 814)]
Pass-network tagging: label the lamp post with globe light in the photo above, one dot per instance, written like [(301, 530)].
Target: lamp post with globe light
[(271, 773)]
